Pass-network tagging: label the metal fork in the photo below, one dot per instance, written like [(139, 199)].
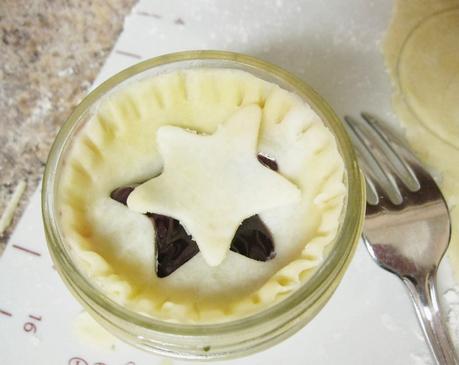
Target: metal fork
[(407, 227)]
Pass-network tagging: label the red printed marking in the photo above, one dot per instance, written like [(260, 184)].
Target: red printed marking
[(146, 13), (27, 250), (129, 54), (5, 313), (77, 361), (30, 326), (33, 317)]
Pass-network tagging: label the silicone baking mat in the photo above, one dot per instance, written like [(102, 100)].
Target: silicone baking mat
[(334, 46)]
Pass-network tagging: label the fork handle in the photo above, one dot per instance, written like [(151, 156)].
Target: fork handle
[(423, 293)]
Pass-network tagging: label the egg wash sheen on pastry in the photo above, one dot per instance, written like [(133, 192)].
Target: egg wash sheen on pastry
[(201, 195)]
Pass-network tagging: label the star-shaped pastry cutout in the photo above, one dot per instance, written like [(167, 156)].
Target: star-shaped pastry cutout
[(174, 246), (211, 183)]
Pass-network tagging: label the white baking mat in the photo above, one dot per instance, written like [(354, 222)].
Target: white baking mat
[(334, 46)]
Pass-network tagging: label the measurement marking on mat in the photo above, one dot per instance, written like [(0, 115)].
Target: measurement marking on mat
[(35, 317), (77, 361), (146, 13), (27, 250), (5, 313), (31, 326), (128, 54)]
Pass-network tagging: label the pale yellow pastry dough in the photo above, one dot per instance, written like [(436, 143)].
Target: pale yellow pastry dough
[(114, 245), (422, 54)]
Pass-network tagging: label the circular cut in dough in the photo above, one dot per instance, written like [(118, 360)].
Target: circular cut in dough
[(428, 69)]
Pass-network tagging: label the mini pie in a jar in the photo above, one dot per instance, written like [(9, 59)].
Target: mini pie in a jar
[(201, 195)]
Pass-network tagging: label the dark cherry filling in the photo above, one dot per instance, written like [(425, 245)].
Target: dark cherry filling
[(268, 162), (121, 194), (174, 246), (253, 240)]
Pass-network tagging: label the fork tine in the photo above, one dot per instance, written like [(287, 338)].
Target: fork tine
[(373, 189), (369, 165), (389, 133), (407, 161), (381, 170)]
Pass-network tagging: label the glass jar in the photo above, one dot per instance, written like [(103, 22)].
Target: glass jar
[(208, 341)]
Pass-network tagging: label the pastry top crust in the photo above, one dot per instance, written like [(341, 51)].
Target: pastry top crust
[(122, 144)]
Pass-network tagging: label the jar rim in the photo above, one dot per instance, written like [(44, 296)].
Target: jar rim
[(335, 261)]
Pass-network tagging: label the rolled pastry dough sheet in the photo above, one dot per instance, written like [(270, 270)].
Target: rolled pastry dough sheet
[(421, 51)]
